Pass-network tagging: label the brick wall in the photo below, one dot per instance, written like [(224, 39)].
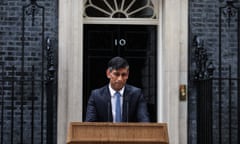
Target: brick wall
[(17, 110), (204, 22)]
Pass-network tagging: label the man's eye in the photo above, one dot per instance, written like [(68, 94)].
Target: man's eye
[(116, 74)]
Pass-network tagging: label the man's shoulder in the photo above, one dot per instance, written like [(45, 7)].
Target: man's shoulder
[(101, 89), (132, 87)]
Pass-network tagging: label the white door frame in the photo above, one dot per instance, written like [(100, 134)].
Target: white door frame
[(172, 66)]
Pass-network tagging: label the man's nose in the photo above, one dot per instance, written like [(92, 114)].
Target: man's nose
[(120, 78)]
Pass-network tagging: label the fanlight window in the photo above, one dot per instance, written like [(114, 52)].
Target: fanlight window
[(120, 9)]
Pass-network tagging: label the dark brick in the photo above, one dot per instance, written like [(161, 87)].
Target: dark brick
[(11, 55), (204, 22)]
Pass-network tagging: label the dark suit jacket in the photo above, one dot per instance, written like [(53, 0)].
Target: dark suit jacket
[(99, 107)]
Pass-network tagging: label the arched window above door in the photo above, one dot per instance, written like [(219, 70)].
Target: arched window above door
[(124, 9)]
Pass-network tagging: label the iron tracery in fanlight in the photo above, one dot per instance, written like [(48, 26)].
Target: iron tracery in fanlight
[(124, 9)]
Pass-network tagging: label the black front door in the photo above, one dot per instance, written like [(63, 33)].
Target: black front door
[(136, 43)]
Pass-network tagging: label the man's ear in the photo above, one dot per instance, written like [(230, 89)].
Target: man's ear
[(108, 73)]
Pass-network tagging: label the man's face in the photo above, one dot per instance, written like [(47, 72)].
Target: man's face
[(118, 78)]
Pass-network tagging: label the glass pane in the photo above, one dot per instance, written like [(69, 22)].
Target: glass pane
[(145, 13), (95, 12), (137, 5), (102, 5)]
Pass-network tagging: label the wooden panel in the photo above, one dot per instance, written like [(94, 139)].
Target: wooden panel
[(86, 133)]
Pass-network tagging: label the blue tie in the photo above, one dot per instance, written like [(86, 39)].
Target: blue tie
[(118, 107)]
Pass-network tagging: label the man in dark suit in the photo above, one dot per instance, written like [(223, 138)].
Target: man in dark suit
[(117, 101)]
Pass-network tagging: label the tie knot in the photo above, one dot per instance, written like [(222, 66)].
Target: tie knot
[(117, 94)]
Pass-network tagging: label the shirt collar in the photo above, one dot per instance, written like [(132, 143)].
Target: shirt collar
[(112, 91)]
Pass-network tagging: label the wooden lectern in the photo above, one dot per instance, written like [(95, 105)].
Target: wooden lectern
[(117, 133)]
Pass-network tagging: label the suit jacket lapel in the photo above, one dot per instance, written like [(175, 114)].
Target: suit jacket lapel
[(125, 104), (108, 104)]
